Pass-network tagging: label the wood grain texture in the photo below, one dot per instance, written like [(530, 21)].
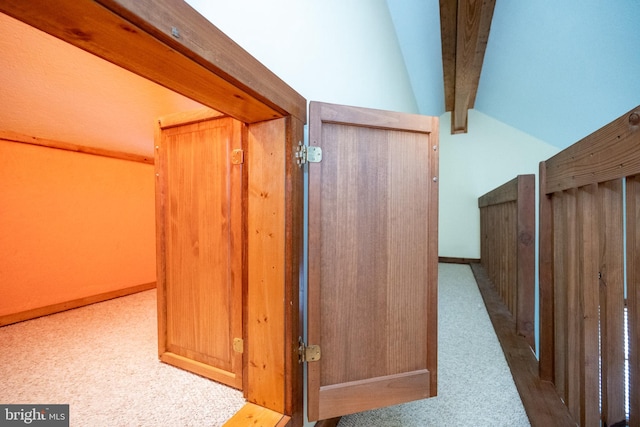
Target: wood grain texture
[(60, 145), (373, 263), (203, 64), (588, 261), (201, 217), (525, 269), (265, 299), (208, 46), (448, 37), (294, 218), (560, 275), (612, 301), (507, 229), (545, 277), (258, 416), (507, 192), (609, 153), (358, 396), (474, 23), (582, 227), (569, 244), (188, 118), (633, 294)]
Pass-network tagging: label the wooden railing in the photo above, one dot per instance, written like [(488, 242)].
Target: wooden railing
[(589, 203), (507, 248)]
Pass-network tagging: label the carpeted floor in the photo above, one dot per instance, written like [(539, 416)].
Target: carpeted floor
[(475, 386), (102, 360)]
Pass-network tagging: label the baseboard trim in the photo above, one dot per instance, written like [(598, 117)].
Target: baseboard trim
[(333, 422), (453, 260), (9, 319)]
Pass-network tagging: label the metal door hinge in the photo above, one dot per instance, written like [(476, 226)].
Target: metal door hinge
[(238, 345), (307, 353), (308, 154), (237, 156)]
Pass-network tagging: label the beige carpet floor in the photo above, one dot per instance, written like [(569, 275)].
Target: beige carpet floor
[(102, 360)]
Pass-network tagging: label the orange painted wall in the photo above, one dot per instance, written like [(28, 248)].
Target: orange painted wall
[(72, 225)]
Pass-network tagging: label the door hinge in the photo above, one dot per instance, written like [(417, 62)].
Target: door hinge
[(237, 156), (308, 154), (238, 345), (307, 353)]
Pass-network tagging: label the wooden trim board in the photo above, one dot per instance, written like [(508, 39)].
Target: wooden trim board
[(254, 415), (333, 422), (59, 145), (455, 260), (69, 305), (170, 44)]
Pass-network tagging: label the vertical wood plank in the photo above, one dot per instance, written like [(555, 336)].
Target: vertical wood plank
[(525, 268), (432, 250), (545, 260), (575, 351), (560, 275), (633, 295), (161, 251), (612, 301), (513, 250), (266, 265), (294, 217), (588, 244)]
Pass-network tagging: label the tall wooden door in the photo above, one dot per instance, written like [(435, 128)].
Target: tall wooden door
[(372, 295), (199, 220)]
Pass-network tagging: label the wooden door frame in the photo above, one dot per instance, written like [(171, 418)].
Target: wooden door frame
[(171, 44)]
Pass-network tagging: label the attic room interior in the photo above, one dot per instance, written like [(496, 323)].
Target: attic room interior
[(86, 146)]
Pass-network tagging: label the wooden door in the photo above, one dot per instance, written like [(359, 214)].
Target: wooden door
[(372, 296), (199, 219)]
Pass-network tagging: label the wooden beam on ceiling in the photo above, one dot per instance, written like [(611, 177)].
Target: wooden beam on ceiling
[(464, 27)]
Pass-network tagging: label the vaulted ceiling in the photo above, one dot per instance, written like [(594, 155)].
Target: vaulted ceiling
[(555, 70)]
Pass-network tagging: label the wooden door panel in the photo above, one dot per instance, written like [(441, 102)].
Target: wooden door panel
[(372, 259), (200, 215)]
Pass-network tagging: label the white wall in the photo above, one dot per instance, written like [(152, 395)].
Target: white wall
[(336, 51), (472, 164)]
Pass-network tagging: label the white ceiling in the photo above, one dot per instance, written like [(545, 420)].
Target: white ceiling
[(555, 70)]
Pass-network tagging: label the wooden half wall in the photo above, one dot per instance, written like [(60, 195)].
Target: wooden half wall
[(583, 295), (507, 247)]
